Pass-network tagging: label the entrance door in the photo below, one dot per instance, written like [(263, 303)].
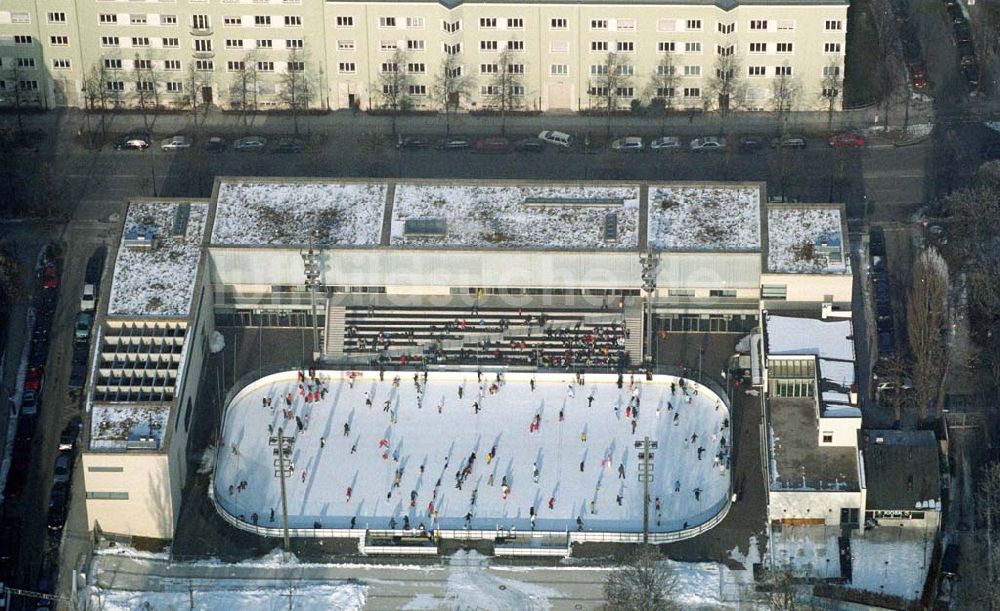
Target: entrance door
[(206, 95), (351, 100)]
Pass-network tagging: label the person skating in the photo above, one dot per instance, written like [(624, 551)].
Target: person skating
[(552, 503), (350, 491), (618, 499), (621, 470), (387, 405), (322, 442), (579, 523), (347, 429), (272, 514), (701, 450), (534, 472), (697, 494)]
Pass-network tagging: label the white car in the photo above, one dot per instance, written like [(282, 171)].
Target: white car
[(629, 144), (175, 142), (665, 142), (89, 299), (708, 143), (557, 138)]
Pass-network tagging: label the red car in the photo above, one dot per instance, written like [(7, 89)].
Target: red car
[(33, 379), (846, 140), (50, 276)]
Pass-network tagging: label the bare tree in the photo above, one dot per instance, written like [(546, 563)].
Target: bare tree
[(644, 582), (451, 84), (144, 87), (895, 374), (988, 510), (95, 94), (24, 91), (296, 86), (11, 287), (726, 84), (243, 88), (888, 55), (779, 590), (394, 85), (193, 82), (609, 85), (926, 321), (832, 89), (785, 90), (662, 87), (506, 87)]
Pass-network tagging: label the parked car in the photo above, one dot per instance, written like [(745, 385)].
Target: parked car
[(411, 143), (949, 561), (50, 276), (57, 506), (665, 142), (88, 301), (215, 144), (846, 140), (789, 142), (95, 266), (288, 145), (990, 151), (963, 33), (61, 469), (708, 143), (886, 344), (556, 137), (876, 241), (39, 353), (69, 435), (749, 144), (628, 144), (174, 143), (971, 74), (531, 145), (29, 403), (492, 145), (250, 143), (84, 321), (77, 376), (453, 144), (81, 352), (133, 142), (33, 379)]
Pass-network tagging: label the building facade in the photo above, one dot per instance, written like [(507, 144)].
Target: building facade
[(759, 55)]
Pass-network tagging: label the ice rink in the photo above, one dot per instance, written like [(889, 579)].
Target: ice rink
[(429, 436)]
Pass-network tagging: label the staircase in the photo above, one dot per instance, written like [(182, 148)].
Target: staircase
[(335, 328), (634, 342)]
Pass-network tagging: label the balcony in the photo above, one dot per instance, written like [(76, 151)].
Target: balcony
[(196, 31), (203, 54)]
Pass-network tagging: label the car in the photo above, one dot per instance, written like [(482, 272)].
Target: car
[(453, 144), (556, 137), (919, 81), (749, 144), (629, 144), (708, 143), (50, 276), (215, 144), (29, 403), (250, 143), (876, 241), (81, 352), (905, 386), (846, 140), (69, 435), (412, 144), (39, 353), (33, 379), (971, 74), (665, 142), (949, 561), (88, 301), (174, 143), (61, 469), (990, 151), (886, 344), (77, 376), (133, 142), (57, 506), (84, 321), (531, 145), (95, 266), (288, 145), (789, 142), (493, 144), (963, 33)]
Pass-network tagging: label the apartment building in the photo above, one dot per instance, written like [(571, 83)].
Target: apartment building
[(556, 53)]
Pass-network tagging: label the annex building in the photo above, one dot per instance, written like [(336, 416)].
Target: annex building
[(240, 52)]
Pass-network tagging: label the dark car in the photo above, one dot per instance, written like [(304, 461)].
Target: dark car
[(963, 33), (58, 499), (949, 561), (288, 145), (39, 352), (530, 145), (990, 151), (20, 460), (876, 241), (81, 352), (50, 276), (77, 376), (411, 144), (749, 144), (33, 378), (789, 142), (215, 144), (971, 74), (133, 142), (886, 344), (67, 439), (95, 266), (492, 145), (453, 144)]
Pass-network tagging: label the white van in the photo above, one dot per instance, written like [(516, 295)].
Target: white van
[(557, 138)]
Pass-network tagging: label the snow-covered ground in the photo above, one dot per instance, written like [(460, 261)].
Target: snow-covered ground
[(443, 441), (795, 236), (283, 213), (891, 560), (498, 216), (113, 426), (233, 594), (705, 218), (158, 281), (807, 551)]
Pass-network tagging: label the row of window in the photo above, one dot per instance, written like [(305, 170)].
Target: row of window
[(597, 46), (23, 85), (200, 22), (595, 69), (202, 44), (620, 25)]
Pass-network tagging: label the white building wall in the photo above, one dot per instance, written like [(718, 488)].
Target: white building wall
[(812, 505)]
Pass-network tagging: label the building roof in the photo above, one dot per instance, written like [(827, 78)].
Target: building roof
[(797, 461), (157, 262), (447, 214), (807, 239), (124, 427), (902, 470), (705, 218)]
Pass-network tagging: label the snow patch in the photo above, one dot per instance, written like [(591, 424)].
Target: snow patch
[(114, 427), (705, 218), (247, 595), (891, 560)]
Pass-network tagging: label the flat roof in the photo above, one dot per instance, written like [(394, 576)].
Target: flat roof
[(157, 262), (283, 212), (797, 460), (806, 239), (515, 216), (902, 470), (705, 218), (122, 427)]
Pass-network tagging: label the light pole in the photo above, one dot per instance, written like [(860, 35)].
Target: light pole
[(645, 448), (284, 499), (311, 265), (649, 262)]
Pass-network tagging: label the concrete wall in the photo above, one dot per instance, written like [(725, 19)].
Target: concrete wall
[(813, 288), (844, 431), (810, 504), (149, 510)]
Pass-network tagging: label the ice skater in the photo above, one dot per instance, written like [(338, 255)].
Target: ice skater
[(701, 450), (552, 503), (697, 494), (350, 491), (322, 442), (621, 470), (534, 472), (347, 429)]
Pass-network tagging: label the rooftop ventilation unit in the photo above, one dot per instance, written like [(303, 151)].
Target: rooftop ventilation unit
[(431, 227), (181, 216), (573, 202), (610, 233), (141, 237)]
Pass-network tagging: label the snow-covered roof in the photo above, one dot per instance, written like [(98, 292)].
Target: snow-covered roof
[(902, 470), (120, 427), (512, 216), (806, 240), (892, 561), (156, 277), (707, 218), (284, 213)]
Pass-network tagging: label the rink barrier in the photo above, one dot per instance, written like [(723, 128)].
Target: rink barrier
[(252, 381)]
